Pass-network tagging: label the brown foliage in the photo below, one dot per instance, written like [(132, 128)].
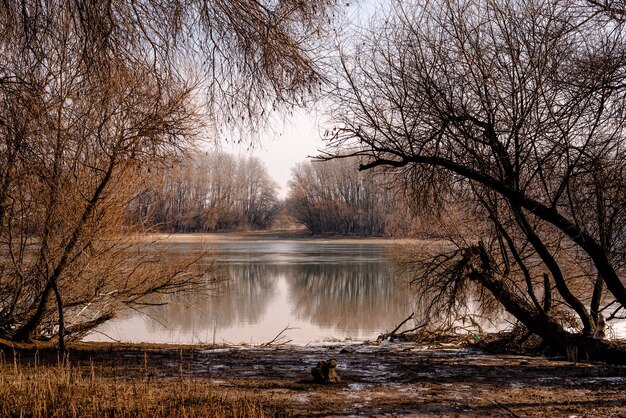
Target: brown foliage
[(84, 391), (332, 197), (92, 96)]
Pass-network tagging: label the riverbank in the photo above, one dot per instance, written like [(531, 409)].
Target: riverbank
[(278, 235), (397, 379)]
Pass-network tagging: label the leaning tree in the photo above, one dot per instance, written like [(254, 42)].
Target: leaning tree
[(514, 110)]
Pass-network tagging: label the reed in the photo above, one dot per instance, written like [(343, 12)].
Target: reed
[(66, 390)]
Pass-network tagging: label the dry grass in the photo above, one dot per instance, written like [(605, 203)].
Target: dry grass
[(75, 391)]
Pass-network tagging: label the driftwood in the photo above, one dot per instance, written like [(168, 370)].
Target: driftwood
[(279, 339), (326, 372), (393, 335)]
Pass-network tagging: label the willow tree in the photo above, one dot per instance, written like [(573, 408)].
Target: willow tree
[(94, 95), (515, 110)]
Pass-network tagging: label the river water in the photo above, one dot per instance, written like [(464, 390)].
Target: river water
[(321, 290)]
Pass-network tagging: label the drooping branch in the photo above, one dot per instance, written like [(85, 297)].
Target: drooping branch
[(516, 197)]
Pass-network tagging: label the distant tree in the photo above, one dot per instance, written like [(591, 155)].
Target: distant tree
[(258, 193), (209, 192), (333, 197)]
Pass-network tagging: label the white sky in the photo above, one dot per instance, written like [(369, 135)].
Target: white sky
[(290, 140)]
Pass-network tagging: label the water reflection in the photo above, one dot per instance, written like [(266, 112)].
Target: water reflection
[(338, 290), (244, 296), (354, 297)]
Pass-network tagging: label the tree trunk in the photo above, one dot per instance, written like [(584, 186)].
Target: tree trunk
[(596, 297), (25, 333), (573, 346), (549, 214), (547, 294), (555, 270), (61, 322)]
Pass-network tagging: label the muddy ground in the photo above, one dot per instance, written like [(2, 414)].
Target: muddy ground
[(393, 380)]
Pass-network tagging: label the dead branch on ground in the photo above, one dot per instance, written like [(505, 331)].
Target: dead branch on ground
[(279, 339)]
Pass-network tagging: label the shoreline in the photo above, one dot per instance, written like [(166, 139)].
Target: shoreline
[(399, 379), (261, 236)]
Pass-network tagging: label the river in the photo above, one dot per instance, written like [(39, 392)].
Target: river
[(321, 290)]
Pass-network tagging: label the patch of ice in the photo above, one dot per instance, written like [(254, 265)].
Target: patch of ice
[(549, 379), (384, 343), (355, 387)]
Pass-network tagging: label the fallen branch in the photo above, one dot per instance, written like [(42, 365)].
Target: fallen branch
[(505, 409), (411, 330), (276, 341), (402, 323), (394, 334)]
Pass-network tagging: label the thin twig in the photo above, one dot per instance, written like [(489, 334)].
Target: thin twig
[(411, 330), (277, 338), (106, 335)]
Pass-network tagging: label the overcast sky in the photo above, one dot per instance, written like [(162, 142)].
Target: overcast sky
[(290, 141)]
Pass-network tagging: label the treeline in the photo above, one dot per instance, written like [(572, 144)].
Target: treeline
[(212, 191), (216, 191), (334, 197)]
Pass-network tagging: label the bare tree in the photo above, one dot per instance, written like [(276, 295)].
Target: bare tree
[(520, 108), (332, 197), (208, 192), (89, 132), (255, 54), (93, 96)]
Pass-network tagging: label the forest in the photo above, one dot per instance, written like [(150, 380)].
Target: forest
[(493, 131), (207, 192), (220, 192)]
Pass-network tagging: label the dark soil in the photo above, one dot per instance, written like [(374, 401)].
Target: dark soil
[(395, 379)]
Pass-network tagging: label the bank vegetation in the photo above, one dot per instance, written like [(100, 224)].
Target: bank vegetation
[(94, 98), (506, 119), (64, 390)]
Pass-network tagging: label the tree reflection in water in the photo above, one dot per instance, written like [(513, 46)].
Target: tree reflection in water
[(353, 297), (241, 299), (334, 290)]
